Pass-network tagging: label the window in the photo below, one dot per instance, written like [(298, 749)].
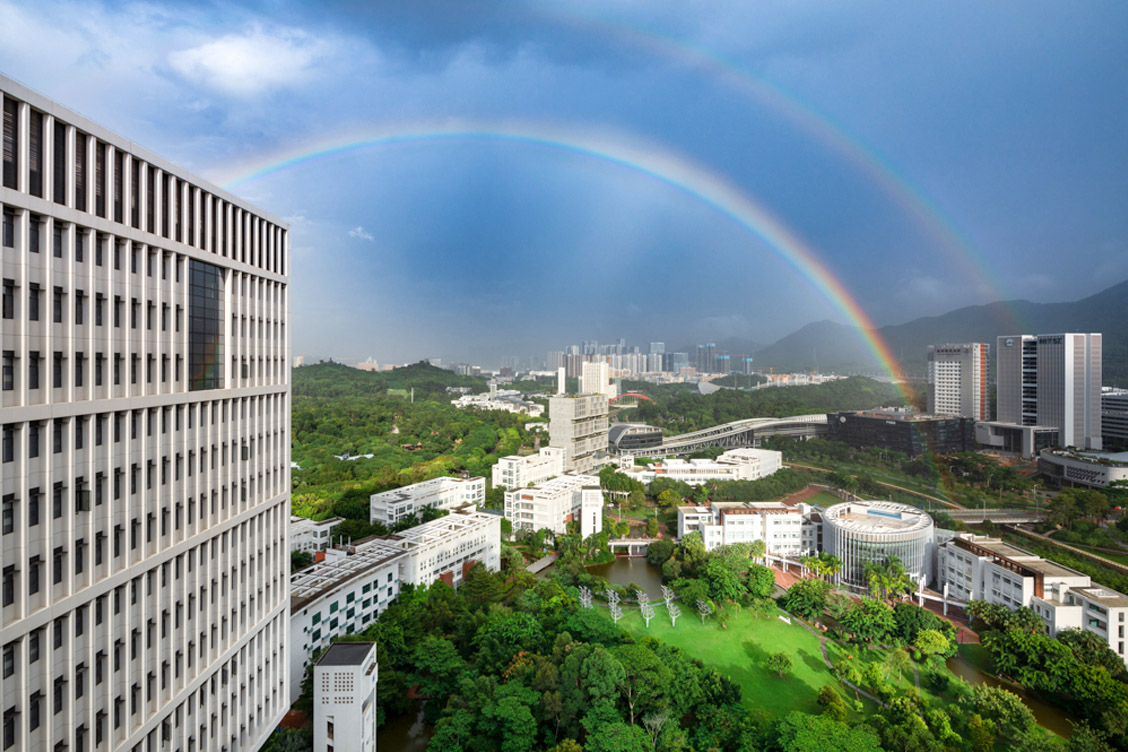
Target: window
[(9, 659), (33, 301), (8, 588), (9, 451), (57, 305), (9, 229), (57, 371), (79, 307), (60, 149), (34, 223), (57, 240), (9, 370), (9, 303), (11, 143), (99, 304), (33, 507), (35, 154), (33, 370), (8, 514), (205, 329), (80, 171)]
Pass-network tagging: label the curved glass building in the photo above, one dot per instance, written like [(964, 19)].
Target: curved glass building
[(860, 532)]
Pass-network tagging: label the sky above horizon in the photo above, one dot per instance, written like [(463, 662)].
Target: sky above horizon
[(523, 176)]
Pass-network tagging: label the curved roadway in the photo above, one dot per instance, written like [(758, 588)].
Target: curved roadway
[(738, 433)]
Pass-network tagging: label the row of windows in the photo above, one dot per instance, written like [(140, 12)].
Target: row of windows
[(115, 185)]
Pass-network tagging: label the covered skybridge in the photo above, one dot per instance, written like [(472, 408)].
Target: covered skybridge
[(740, 433)]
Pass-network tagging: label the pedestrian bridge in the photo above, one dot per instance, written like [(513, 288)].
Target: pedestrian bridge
[(740, 433)]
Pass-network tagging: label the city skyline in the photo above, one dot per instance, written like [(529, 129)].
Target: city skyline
[(596, 148)]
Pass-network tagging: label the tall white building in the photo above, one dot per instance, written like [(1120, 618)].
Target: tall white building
[(1052, 380), (146, 432), (957, 380), (344, 698), (596, 379), (515, 471), (578, 425), (391, 507)]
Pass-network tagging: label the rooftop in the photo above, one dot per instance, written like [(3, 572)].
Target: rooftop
[(346, 654), (1103, 596), (878, 517)]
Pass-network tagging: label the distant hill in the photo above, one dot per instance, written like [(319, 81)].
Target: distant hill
[(834, 347), (336, 380)]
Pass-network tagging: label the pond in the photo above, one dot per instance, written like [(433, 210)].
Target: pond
[(1047, 715), (407, 733), (624, 571)]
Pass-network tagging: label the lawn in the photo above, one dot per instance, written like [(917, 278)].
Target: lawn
[(740, 652), (823, 499)]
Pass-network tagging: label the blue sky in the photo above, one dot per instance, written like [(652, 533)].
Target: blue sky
[(931, 156)]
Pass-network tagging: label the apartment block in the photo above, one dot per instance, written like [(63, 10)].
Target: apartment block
[(957, 380), (514, 471), (145, 411), (392, 507), (555, 503), (344, 698)]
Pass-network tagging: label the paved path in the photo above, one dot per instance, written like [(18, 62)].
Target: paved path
[(541, 564)]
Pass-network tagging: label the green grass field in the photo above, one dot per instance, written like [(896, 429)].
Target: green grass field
[(740, 652), (823, 499)]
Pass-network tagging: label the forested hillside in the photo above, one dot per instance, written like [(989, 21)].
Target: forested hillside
[(339, 410)]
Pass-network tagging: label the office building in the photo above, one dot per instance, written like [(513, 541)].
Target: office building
[(1114, 418), (971, 567), (706, 357), (629, 437), (577, 423), (351, 586), (146, 431), (555, 503), (1052, 380), (869, 532), (515, 471), (657, 348), (957, 380), (786, 529), (311, 536), (902, 430), (344, 698), (389, 508)]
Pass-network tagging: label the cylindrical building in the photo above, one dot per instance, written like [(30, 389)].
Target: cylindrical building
[(860, 532)]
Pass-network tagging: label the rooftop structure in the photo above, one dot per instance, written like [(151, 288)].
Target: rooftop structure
[(735, 464), (344, 698), (311, 535)]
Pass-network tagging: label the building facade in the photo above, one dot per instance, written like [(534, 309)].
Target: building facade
[(515, 471), (578, 425), (392, 507), (555, 503), (902, 431), (1027, 441), (786, 529), (957, 380), (596, 379), (1063, 467), (145, 413), (311, 536), (344, 698), (1114, 419), (975, 567), (869, 532), (1052, 380)]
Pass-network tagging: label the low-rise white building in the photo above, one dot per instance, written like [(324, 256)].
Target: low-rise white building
[(555, 503), (515, 471), (786, 529), (735, 464), (1077, 468), (311, 535), (508, 400), (346, 591), (344, 698), (391, 507), (972, 567)]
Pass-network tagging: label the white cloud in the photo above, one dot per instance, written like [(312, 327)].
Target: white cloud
[(251, 63), (359, 232)]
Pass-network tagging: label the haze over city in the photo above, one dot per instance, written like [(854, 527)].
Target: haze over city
[(505, 179)]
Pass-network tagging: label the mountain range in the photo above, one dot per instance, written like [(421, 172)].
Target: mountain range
[(830, 347)]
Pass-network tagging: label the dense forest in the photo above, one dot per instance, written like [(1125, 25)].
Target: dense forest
[(683, 410)]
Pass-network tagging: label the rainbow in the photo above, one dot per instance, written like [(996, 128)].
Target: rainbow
[(868, 161), (658, 163)]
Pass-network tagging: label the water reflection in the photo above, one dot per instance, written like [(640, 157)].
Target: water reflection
[(624, 571), (1047, 715), (407, 733)]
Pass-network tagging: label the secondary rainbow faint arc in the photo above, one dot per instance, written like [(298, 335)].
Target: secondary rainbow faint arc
[(657, 163)]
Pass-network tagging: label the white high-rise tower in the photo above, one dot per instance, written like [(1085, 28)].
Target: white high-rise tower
[(145, 475)]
